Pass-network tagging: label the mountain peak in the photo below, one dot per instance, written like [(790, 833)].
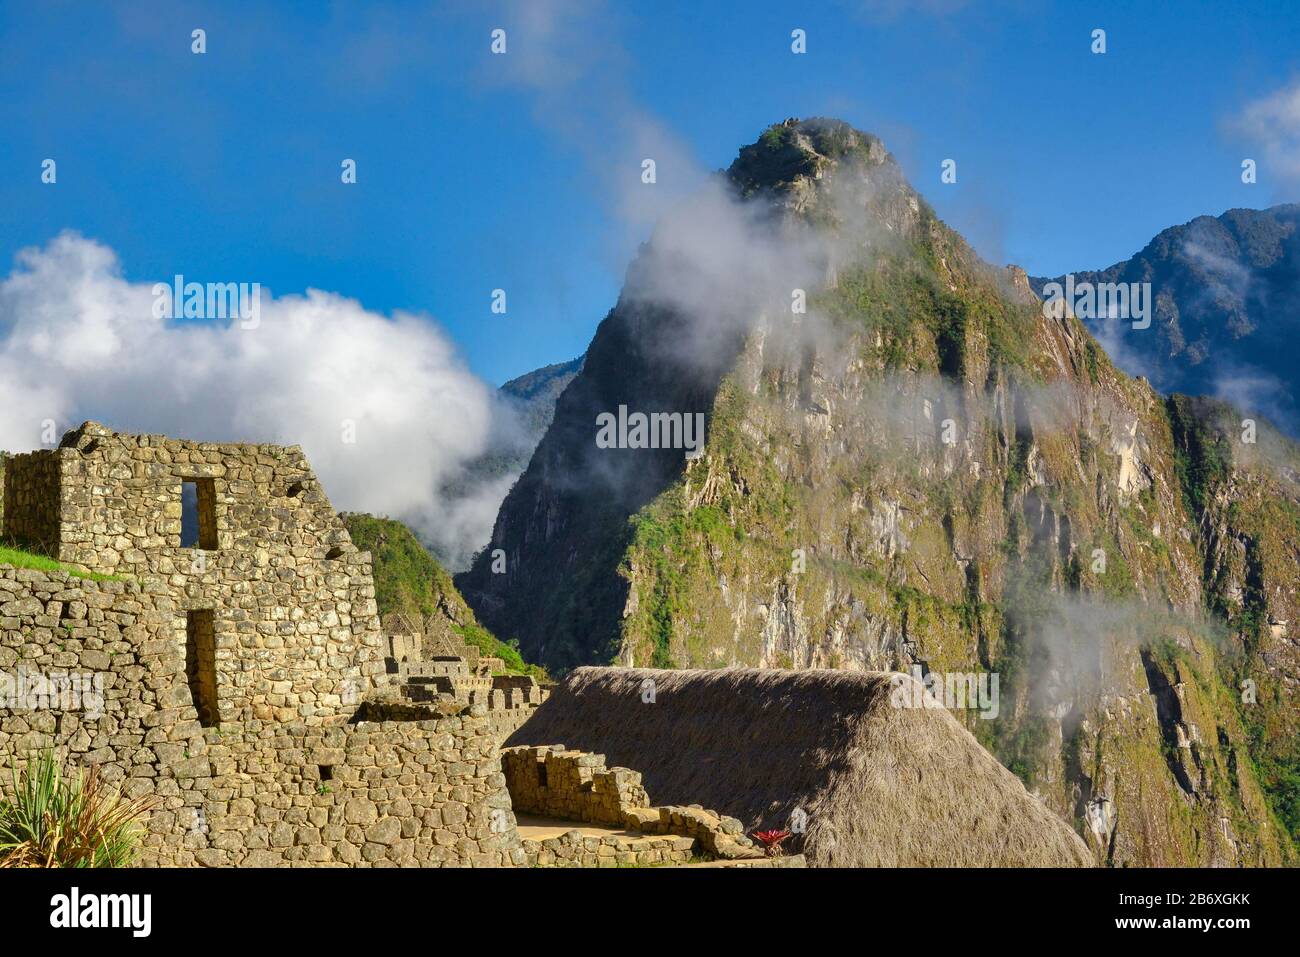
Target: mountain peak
[(796, 149)]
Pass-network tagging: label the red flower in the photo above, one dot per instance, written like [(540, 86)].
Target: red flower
[(771, 840)]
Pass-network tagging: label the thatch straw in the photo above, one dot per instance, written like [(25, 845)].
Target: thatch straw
[(880, 785)]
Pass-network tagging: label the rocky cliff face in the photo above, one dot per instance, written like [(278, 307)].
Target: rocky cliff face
[(524, 411), (920, 470)]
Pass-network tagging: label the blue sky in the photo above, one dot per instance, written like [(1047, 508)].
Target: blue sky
[(478, 172)]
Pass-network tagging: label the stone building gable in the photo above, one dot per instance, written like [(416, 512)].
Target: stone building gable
[(294, 628)]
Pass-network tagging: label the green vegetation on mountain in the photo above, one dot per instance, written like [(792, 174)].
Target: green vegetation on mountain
[(408, 580), (1203, 454), (1239, 479)]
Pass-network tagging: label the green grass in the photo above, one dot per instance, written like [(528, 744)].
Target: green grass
[(1202, 451), (43, 563), (1278, 772), (670, 541), (409, 580), (491, 646)]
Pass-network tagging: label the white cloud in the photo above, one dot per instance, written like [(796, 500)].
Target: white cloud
[(78, 341), (1272, 123), (1253, 391), (581, 97)]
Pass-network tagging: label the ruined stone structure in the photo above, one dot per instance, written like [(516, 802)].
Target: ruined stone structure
[(556, 783), (222, 655), (430, 665), (558, 847), (277, 602), (829, 755), (97, 671), (572, 785), (226, 674)]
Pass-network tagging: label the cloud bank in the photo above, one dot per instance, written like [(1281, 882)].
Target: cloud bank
[(1272, 123), (78, 341)]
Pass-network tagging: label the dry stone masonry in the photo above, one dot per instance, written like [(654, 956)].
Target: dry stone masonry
[(225, 676), (554, 782), (273, 575), (573, 848), (221, 654), (96, 671), (431, 664), (571, 785), (425, 794), (432, 672)]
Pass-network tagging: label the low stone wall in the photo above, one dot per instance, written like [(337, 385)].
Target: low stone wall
[(507, 722), (571, 785), (424, 794), (576, 786), (718, 835), (390, 704), (96, 671), (521, 691), (575, 849)]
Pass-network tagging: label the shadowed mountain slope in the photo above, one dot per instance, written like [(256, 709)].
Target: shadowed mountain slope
[(1226, 313)]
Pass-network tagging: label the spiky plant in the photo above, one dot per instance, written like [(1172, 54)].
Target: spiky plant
[(53, 820), (771, 841)]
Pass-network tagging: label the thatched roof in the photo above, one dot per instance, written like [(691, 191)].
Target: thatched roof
[(880, 785)]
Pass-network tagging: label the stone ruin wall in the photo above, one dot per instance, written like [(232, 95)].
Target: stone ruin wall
[(257, 793), (431, 668), (571, 785), (430, 793), (285, 605), (295, 624), (556, 783)]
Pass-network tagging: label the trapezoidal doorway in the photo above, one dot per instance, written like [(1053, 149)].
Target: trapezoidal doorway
[(201, 664)]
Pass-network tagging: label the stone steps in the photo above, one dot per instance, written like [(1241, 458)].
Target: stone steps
[(550, 842)]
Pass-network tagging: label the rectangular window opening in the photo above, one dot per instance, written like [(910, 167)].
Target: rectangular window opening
[(199, 514), (201, 665)]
